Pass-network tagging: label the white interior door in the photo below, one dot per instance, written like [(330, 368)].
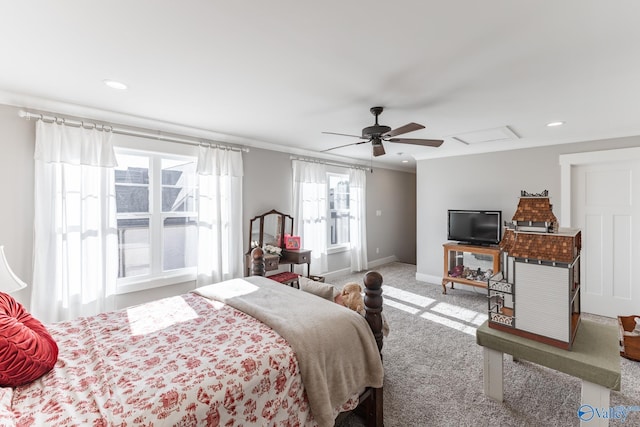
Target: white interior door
[(605, 205)]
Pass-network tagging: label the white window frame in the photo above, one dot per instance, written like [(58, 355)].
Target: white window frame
[(340, 247), (156, 277)]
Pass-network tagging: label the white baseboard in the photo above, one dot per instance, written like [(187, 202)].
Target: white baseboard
[(382, 261), (429, 278), (336, 273), (372, 264)]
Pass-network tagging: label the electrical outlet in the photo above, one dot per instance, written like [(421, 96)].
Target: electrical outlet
[(377, 250), (378, 212)]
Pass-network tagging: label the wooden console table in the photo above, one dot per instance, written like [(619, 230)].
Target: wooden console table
[(594, 359), (454, 256), (296, 256), (289, 256), (270, 229)]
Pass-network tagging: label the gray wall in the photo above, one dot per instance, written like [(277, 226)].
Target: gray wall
[(267, 185), (17, 141), (393, 233), (486, 181)]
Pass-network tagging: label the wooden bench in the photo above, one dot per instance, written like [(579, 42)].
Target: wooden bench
[(594, 359), (286, 278)]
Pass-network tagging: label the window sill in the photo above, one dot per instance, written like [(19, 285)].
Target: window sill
[(132, 285), (338, 249)]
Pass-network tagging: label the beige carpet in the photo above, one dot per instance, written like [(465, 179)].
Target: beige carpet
[(433, 366)]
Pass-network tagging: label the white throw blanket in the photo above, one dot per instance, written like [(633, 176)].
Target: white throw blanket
[(335, 347)]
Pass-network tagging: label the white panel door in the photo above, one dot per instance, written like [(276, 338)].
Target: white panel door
[(605, 199)]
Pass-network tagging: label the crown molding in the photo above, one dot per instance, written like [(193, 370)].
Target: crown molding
[(36, 104)]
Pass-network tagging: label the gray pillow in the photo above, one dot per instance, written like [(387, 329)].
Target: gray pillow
[(323, 290)]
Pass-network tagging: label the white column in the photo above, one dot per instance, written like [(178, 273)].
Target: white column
[(594, 397), (492, 374)]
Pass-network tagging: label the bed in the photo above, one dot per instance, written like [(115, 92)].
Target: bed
[(247, 351)]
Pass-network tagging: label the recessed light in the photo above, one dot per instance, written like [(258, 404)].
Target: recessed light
[(113, 84), (552, 124), (405, 161)]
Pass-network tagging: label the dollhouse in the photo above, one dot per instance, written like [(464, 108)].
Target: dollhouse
[(537, 293)]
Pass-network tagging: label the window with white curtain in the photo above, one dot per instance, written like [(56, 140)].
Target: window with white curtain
[(338, 211), (157, 210), (330, 212)]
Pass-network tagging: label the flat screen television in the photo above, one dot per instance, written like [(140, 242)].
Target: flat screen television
[(475, 227)]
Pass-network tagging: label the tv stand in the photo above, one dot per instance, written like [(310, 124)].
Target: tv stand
[(469, 264)]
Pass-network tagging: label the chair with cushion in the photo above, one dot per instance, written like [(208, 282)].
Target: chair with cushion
[(286, 278)]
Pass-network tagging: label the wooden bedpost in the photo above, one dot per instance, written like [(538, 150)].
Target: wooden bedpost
[(371, 407), (373, 304), (257, 267)]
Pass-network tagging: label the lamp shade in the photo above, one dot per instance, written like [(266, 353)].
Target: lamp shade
[(9, 282)]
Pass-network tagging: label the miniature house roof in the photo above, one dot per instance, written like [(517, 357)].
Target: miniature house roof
[(534, 209), (508, 240), (556, 247)]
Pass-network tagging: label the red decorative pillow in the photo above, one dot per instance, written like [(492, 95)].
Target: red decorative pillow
[(27, 351)]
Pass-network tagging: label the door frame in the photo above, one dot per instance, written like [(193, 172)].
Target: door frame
[(567, 161)]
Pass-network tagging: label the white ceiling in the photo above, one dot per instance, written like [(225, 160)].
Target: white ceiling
[(282, 71)]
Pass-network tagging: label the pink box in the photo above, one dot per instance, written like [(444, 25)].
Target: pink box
[(291, 242)]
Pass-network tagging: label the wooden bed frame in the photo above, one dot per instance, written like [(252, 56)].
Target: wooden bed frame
[(370, 406)]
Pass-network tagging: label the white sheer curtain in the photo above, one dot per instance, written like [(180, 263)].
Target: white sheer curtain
[(310, 210), (358, 219), (220, 254), (75, 230)]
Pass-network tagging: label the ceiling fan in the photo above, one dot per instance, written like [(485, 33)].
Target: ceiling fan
[(378, 133)]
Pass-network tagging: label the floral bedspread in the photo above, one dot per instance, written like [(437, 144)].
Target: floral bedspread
[(180, 361)]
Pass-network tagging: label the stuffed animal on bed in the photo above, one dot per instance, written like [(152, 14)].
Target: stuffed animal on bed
[(352, 297)]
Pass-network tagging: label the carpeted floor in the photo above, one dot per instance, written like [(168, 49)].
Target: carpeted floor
[(433, 366)]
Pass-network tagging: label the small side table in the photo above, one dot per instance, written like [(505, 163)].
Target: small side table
[(296, 256), (271, 262)]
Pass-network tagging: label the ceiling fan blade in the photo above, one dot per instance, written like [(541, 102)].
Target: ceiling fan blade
[(345, 145), (378, 149), (341, 134), (410, 127), (425, 142)]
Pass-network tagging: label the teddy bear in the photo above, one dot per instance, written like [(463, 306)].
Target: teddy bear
[(352, 297)]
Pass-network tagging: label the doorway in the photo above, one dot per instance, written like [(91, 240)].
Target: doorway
[(601, 196)]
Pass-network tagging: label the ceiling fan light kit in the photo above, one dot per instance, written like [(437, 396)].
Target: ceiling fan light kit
[(377, 147), (378, 133)]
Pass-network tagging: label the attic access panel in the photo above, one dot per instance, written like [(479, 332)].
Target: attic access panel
[(487, 135)]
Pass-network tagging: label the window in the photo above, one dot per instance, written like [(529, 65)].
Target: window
[(338, 190), (156, 202)]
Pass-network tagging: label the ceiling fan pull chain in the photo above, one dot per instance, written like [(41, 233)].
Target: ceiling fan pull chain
[(371, 160)]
